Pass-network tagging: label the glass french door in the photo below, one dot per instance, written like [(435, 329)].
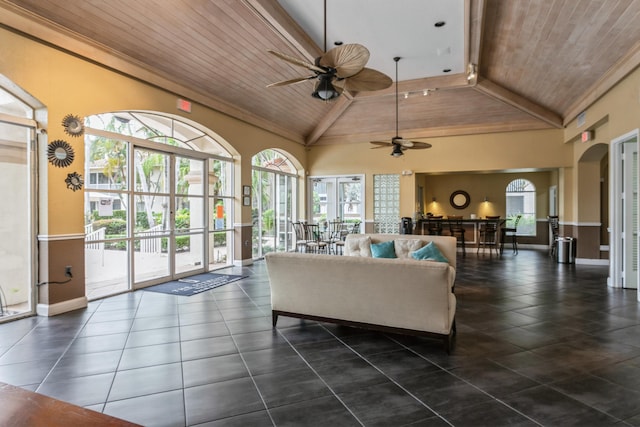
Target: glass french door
[(17, 228), (168, 216), (272, 201), (337, 198)]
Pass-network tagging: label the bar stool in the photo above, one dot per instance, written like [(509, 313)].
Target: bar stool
[(506, 232), (456, 229), (554, 232), (488, 234), (434, 225)]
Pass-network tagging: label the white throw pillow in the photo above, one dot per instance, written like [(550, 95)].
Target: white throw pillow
[(403, 247), (358, 246)]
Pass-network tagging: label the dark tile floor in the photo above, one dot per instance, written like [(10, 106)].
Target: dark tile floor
[(538, 343)]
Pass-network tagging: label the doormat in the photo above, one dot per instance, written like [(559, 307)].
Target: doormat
[(193, 285)]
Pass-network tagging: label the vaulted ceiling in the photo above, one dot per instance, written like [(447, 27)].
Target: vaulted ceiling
[(539, 62)]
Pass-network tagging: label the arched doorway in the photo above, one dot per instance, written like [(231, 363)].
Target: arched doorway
[(158, 201)]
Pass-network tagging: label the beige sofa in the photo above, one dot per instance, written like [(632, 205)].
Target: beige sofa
[(399, 295)]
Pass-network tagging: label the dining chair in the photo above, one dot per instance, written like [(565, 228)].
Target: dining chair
[(315, 242), (335, 237), (456, 229), (488, 234), (301, 240)]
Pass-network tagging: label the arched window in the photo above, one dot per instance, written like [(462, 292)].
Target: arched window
[(158, 201), (274, 200), (521, 200)]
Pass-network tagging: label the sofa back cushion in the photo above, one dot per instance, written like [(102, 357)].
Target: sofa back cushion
[(404, 244), (357, 245), (404, 247)]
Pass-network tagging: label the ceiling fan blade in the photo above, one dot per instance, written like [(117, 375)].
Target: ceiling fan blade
[(296, 61), (420, 145), (292, 81), (368, 79), (381, 143), (348, 59), (414, 145)]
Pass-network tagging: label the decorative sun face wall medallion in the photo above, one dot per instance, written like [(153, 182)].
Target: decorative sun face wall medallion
[(73, 125), (60, 153), (74, 181)]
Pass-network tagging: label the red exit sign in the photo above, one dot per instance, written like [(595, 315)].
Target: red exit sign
[(184, 105)]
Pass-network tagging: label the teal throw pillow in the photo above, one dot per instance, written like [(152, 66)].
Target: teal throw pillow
[(383, 250), (429, 252)]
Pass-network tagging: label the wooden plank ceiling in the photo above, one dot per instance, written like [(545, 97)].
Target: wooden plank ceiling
[(536, 61)]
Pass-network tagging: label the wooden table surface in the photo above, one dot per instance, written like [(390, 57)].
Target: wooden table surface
[(22, 408)]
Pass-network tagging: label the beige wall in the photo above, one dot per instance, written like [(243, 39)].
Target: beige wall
[(67, 84), (489, 154), (614, 114), (490, 185)]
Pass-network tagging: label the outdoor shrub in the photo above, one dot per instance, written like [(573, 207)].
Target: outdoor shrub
[(114, 226)]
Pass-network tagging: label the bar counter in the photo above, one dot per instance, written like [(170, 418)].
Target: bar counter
[(470, 225)]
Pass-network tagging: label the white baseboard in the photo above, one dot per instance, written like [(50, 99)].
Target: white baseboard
[(242, 262), (61, 307), (589, 261)]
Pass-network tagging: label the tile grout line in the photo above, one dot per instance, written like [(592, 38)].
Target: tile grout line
[(319, 376), (71, 342), (383, 373)]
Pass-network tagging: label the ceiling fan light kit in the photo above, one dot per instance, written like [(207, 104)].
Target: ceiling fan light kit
[(325, 90)]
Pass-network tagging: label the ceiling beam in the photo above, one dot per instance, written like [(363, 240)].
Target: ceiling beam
[(284, 26), (476, 31), (498, 92), (629, 62), (341, 104)]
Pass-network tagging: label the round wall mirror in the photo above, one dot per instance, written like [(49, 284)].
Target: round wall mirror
[(460, 199)]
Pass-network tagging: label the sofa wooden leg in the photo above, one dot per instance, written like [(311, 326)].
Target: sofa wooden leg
[(274, 318)]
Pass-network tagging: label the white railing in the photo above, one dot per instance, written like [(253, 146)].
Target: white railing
[(94, 236), (153, 244)]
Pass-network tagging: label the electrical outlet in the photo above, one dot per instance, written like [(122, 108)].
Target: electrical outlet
[(67, 271)]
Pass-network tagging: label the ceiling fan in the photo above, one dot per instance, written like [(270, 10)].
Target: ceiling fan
[(399, 144), (343, 67)]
